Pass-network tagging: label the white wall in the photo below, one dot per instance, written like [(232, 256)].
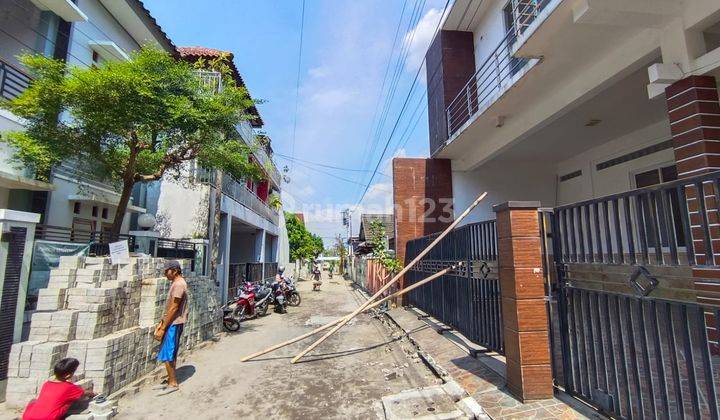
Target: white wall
[(489, 32), (101, 26), (503, 181), (618, 178), (180, 208), (283, 247)]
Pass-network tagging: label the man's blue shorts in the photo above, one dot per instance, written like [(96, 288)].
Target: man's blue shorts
[(170, 343)]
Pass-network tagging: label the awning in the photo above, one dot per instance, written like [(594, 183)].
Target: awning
[(109, 50), (18, 182), (66, 9), (104, 200)]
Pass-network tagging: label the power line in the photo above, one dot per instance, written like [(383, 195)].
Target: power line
[(297, 83), (399, 64), (387, 143), (382, 87), (286, 157), (330, 174)]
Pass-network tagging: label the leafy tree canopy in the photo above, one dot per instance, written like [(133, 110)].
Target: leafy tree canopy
[(132, 121), (303, 244), (379, 246)]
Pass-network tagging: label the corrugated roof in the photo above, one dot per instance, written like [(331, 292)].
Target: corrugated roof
[(387, 219), (193, 53)]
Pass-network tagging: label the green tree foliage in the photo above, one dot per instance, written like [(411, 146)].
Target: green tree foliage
[(379, 246), (132, 121), (303, 244), (341, 251)]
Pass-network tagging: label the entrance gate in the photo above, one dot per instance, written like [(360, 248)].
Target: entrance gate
[(634, 318)]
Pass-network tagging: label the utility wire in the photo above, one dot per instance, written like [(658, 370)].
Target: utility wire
[(297, 83), (387, 143), (286, 157)]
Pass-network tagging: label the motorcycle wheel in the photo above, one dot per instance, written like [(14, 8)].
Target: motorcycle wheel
[(262, 309), (294, 299), (240, 313), (231, 324)]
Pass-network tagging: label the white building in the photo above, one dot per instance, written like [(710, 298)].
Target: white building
[(563, 100), (83, 33)]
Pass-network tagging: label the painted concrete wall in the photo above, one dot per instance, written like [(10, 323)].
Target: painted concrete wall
[(101, 26), (503, 181), (283, 247), (21, 19), (60, 208), (489, 32), (617, 178), (181, 208)]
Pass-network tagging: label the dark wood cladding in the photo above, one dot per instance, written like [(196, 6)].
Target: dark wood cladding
[(450, 64)]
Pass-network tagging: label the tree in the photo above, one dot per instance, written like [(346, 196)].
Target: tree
[(379, 246), (132, 121), (342, 252), (303, 244)]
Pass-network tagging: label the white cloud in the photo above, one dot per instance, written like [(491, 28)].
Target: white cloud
[(332, 98), (419, 38)]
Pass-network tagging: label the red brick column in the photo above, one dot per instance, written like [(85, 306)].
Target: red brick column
[(525, 322), (422, 199), (694, 113)]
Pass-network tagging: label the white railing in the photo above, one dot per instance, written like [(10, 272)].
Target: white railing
[(497, 73), (211, 79)]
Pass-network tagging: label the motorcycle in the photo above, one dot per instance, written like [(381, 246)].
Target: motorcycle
[(252, 301), (291, 294), (279, 298)]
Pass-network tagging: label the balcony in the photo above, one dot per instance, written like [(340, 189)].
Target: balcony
[(260, 152), (239, 192), (498, 73), (12, 81)]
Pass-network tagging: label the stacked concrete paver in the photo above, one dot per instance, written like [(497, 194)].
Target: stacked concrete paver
[(104, 316)]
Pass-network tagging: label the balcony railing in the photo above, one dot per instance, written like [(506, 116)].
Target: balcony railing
[(239, 192), (260, 152), (498, 72), (12, 81)]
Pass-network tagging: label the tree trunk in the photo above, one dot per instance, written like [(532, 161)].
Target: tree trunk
[(121, 207), (215, 237)]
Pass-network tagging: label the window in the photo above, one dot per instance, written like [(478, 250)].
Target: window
[(514, 64), (655, 177), (76, 207), (105, 213), (94, 211)]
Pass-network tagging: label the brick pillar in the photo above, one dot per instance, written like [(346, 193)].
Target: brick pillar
[(694, 114), (525, 322), (422, 199)]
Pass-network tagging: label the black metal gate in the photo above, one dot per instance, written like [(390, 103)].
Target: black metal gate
[(10, 292), (635, 329), (467, 299)]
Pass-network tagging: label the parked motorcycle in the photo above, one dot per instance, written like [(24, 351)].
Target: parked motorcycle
[(291, 294), (252, 301)]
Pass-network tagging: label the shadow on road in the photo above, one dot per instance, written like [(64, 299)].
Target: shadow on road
[(331, 355), (184, 373)]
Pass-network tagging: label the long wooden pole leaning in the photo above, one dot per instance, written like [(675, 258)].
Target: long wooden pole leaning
[(374, 305), (391, 282)]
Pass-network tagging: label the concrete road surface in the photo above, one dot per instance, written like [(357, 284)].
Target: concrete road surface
[(344, 378)]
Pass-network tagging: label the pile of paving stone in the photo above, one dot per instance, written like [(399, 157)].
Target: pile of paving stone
[(104, 316)]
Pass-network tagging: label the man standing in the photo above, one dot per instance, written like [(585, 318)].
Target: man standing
[(170, 328)]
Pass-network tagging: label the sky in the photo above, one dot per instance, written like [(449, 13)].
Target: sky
[(348, 64)]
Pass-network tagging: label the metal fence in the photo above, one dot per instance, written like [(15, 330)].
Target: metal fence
[(97, 240), (253, 272), (637, 323), (467, 299)]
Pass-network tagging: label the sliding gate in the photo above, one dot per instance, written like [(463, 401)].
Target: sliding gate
[(637, 318)]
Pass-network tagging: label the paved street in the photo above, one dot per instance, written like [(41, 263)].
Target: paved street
[(344, 378)]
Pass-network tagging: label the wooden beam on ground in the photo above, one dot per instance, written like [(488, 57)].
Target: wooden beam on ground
[(393, 281), (374, 305)]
